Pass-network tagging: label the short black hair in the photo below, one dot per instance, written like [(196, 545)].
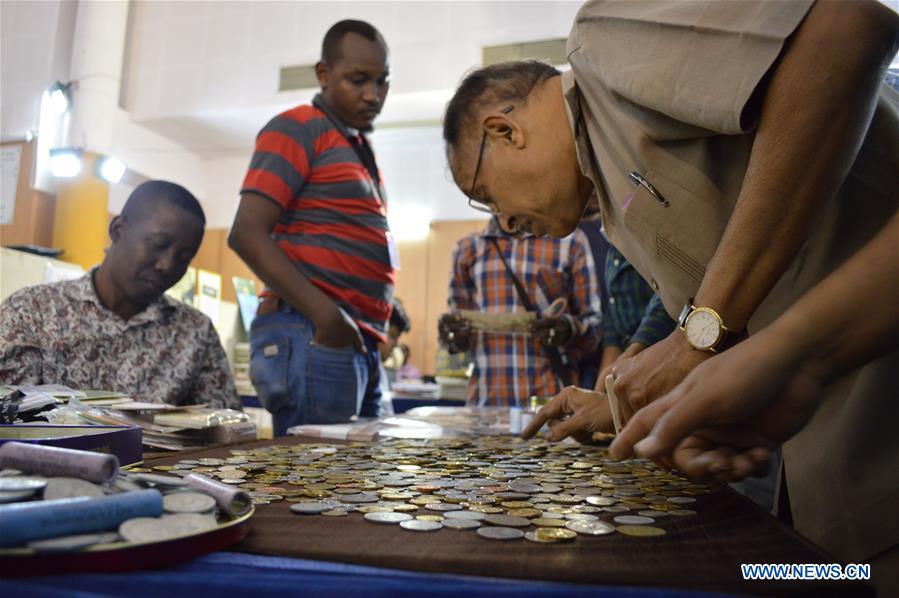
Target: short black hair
[(399, 317), (331, 43), (149, 192), (502, 82)]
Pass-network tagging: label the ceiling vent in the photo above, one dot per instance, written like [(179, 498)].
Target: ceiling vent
[(547, 50), (297, 77)]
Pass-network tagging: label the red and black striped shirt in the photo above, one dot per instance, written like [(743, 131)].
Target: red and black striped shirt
[(334, 224)]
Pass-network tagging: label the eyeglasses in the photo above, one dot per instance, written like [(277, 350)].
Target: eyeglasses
[(472, 202)]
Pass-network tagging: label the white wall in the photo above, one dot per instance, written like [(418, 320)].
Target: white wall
[(35, 46)]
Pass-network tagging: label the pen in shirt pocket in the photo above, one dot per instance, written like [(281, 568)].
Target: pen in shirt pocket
[(639, 179)]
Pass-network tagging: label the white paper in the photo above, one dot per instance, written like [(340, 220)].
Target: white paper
[(10, 159)]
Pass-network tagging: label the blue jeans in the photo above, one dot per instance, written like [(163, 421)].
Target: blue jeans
[(302, 382)]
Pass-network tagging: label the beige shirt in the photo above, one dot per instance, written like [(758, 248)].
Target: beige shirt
[(667, 90)]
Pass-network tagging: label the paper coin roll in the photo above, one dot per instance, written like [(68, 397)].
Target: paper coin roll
[(27, 521), (233, 501), (54, 461)]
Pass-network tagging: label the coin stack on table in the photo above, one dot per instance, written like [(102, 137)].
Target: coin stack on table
[(500, 488)]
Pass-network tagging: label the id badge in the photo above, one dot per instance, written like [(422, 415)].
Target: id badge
[(393, 250)]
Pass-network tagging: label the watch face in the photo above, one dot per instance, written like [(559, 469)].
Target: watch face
[(703, 328)]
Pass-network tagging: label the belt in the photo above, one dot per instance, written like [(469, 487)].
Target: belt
[(268, 305)]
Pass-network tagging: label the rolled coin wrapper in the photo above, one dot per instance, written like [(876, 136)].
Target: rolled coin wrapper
[(54, 461), (233, 501), (25, 522), (515, 425)]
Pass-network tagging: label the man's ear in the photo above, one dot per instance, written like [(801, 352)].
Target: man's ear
[(502, 129), (323, 74), (115, 228)]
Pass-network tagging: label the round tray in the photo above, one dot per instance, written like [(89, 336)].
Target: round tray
[(124, 556)]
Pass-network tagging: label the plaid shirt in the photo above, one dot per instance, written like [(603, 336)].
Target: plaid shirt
[(510, 369), (635, 313)]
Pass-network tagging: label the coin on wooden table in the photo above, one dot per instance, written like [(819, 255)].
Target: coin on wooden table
[(616, 509), (640, 530), (681, 500), (581, 517), (507, 521), (415, 525), (591, 528), (470, 515), (310, 508), (545, 522), (376, 509), (70, 488), (634, 520), (21, 483), (334, 513), (358, 498), (436, 518), (517, 504), (486, 509), (461, 523), (387, 518), (681, 512), (554, 534), (188, 502), (653, 514), (442, 506), (500, 533)]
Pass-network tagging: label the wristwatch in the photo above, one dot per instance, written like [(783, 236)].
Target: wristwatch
[(704, 328)]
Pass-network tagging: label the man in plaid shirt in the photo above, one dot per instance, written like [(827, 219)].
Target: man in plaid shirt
[(509, 369)]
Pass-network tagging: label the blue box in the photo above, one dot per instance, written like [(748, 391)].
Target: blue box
[(122, 441)]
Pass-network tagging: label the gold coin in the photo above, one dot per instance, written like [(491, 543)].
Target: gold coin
[(140, 470), (517, 504), (487, 509), (640, 530), (375, 509), (404, 508), (543, 522), (164, 467), (526, 513), (436, 518), (554, 534), (425, 500)]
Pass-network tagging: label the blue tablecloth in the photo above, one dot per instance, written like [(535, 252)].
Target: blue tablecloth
[(235, 574)]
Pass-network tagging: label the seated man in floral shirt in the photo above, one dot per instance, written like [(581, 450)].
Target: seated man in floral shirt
[(113, 329)]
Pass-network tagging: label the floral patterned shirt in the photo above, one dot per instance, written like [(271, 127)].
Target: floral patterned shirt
[(61, 333)]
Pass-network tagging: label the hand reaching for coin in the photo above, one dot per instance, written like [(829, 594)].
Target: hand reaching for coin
[(587, 414)]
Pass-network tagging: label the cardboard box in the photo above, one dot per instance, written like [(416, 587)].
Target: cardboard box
[(122, 441)]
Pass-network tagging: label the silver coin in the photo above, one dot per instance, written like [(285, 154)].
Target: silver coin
[(159, 480), (470, 515), (388, 518), (417, 525), (443, 507), (633, 520), (123, 485), (532, 537), (184, 524), (66, 543), (616, 509), (591, 528), (681, 512), (581, 517), (652, 514), (144, 529), (500, 533), (524, 487), (16, 496), (460, 523), (310, 508), (551, 515), (601, 501), (21, 484), (70, 488), (681, 500), (507, 520), (358, 498), (188, 502)]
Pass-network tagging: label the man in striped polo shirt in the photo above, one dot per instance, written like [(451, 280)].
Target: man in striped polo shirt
[(312, 224)]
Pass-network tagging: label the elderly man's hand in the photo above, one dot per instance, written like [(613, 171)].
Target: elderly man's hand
[(455, 333), (587, 414), (651, 373)]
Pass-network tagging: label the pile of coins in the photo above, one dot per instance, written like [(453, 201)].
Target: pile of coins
[(503, 488)]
